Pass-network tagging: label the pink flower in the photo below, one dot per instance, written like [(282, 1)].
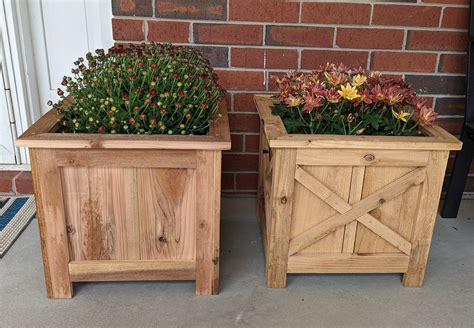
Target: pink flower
[(332, 96), (426, 116), (293, 101), (311, 102)]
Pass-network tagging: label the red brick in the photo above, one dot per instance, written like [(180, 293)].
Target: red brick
[(263, 11), (437, 84), (453, 63), (244, 122), (455, 18), (241, 80), (239, 162), (299, 36), (437, 40), (237, 143), (6, 180), (452, 125), (24, 183), (398, 15), (186, 9), (252, 143), (369, 38), (335, 13), (163, 31), (243, 102), (404, 61), (228, 34), (264, 58), (450, 106), (227, 181), (457, 2), (132, 7), (128, 29), (246, 181), (312, 59)]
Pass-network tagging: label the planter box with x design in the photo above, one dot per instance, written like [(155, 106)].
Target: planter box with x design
[(348, 204)]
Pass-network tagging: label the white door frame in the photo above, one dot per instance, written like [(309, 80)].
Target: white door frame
[(20, 64)]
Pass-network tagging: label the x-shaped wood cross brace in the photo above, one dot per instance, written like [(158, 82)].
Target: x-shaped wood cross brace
[(358, 211)]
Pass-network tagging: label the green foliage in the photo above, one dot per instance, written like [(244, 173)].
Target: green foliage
[(145, 89)]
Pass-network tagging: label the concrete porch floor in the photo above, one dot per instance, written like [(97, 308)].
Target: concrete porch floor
[(338, 300)]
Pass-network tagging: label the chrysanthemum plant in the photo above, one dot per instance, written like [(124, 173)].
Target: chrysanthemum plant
[(144, 89), (337, 99)]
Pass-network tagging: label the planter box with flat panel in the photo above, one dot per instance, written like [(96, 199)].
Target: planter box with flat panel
[(127, 207)]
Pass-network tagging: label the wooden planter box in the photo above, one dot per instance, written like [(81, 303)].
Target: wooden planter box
[(127, 207), (340, 204)]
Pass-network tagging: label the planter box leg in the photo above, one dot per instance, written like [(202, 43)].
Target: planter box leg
[(52, 223), (208, 192), (283, 178), (427, 212)]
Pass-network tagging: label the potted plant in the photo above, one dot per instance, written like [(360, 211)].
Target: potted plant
[(127, 168), (350, 176)]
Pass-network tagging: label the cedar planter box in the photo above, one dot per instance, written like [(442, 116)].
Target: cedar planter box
[(341, 204), (127, 207)]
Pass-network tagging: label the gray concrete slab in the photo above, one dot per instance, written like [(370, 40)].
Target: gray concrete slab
[(362, 300)]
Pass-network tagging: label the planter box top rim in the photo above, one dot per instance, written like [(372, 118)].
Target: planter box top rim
[(41, 135), (436, 138)]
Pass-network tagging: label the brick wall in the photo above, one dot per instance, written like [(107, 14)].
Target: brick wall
[(247, 41)]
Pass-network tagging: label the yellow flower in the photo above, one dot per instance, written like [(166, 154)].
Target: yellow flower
[(358, 80), (348, 92), (401, 115)]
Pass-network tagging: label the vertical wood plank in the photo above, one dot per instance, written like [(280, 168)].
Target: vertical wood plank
[(76, 194), (282, 195), (425, 220), (263, 161), (52, 222), (166, 213), (357, 183), (208, 221)]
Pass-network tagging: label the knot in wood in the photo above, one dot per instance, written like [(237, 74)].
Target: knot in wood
[(70, 229), (215, 260), (381, 201), (284, 200), (71, 161), (162, 239), (369, 157)]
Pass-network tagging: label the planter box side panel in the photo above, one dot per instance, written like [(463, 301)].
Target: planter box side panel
[(126, 213)]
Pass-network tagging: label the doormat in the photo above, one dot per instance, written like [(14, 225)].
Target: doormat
[(15, 214)]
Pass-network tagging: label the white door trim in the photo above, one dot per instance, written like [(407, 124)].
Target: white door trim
[(20, 61)]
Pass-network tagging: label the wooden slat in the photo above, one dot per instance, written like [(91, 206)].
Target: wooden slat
[(130, 158), (361, 208), (263, 161), (281, 202), (357, 183), (436, 138), (272, 125), (342, 207), (208, 222), (41, 135), (362, 157), (425, 220), (131, 270), (52, 222), (397, 214), (220, 128), (386, 233), (166, 213), (76, 195), (344, 263), (315, 210)]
